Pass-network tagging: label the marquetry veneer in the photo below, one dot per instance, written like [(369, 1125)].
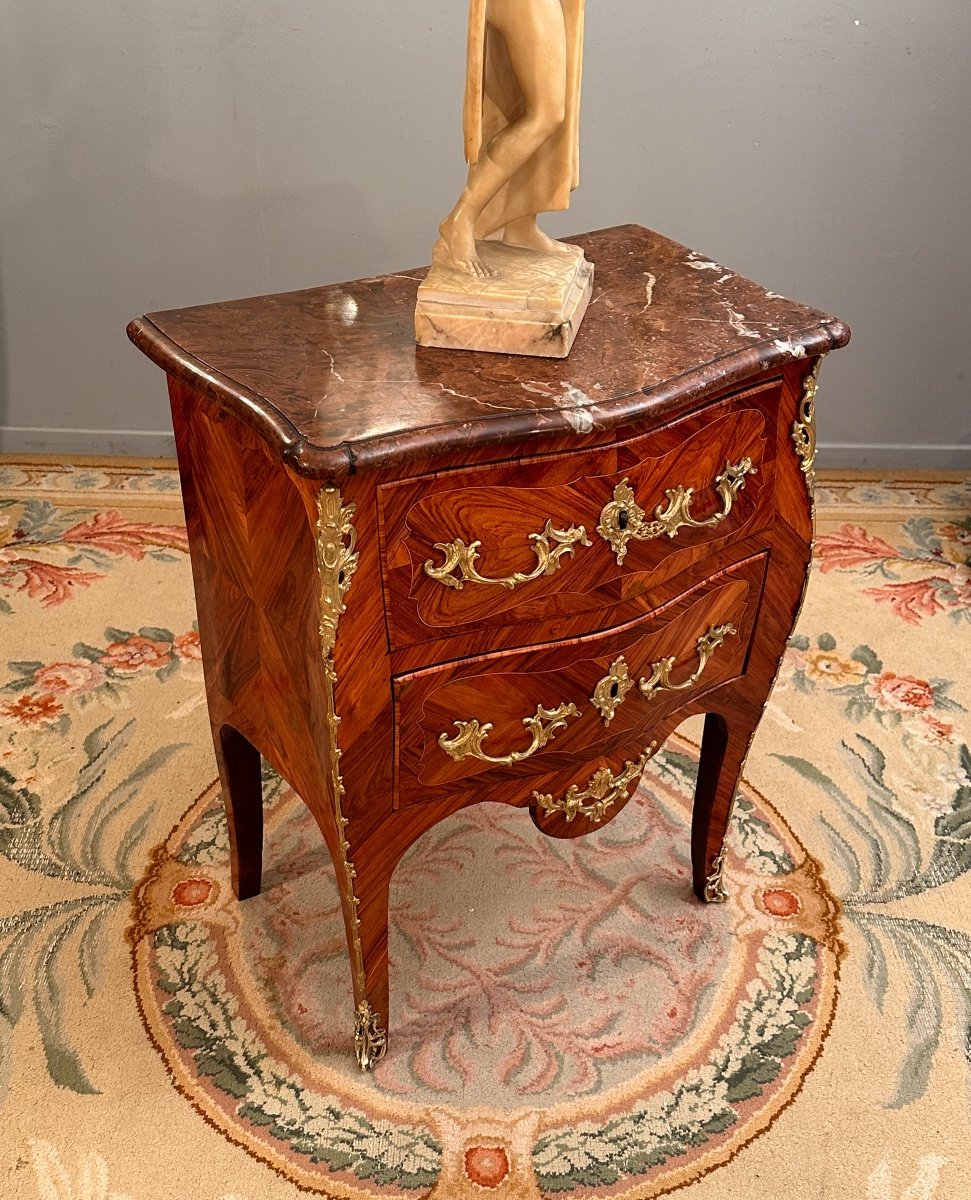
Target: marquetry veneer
[(431, 578)]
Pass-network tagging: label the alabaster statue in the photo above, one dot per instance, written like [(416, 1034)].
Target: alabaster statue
[(497, 282)]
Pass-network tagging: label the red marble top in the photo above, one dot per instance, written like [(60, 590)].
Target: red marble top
[(333, 380)]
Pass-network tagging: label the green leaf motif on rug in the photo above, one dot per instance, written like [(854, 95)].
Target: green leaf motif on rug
[(206, 1021), (49, 953), (756, 842), (207, 844), (766, 1029), (883, 862)]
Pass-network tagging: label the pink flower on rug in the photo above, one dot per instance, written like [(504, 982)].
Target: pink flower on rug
[(33, 710), (780, 902), (486, 1166), (900, 693), (77, 678), (191, 892), (851, 546), (909, 601), (45, 582), (109, 531), (961, 582), (932, 731), (135, 653), (188, 646)]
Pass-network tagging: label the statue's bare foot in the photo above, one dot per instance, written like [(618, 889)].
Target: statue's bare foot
[(458, 235), (528, 235)]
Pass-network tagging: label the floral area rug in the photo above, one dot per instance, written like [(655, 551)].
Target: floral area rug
[(566, 1020)]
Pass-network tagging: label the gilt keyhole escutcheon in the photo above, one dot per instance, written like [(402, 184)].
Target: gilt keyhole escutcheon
[(611, 691)]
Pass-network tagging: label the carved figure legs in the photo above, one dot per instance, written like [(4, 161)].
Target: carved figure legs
[(535, 41), (526, 233)]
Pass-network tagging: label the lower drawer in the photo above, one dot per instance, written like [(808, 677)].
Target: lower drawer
[(507, 724)]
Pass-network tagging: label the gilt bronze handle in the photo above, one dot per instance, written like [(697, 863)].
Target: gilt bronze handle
[(660, 680), (549, 547), (623, 518), (543, 727)]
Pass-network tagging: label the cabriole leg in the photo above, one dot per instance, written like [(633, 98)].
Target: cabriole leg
[(366, 922), (239, 771), (723, 750)]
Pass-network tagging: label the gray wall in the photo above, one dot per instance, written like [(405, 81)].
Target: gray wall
[(158, 155)]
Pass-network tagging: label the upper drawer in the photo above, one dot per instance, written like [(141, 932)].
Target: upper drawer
[(551, 537)]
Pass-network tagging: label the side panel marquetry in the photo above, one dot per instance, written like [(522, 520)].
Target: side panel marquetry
[(255, 590)]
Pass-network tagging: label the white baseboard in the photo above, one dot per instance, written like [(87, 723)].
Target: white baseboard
[(152, 443), (134, 443), (888, 454)]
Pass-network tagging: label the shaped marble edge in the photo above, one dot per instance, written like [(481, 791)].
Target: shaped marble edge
[(252, 408), (349, 457), (338, 461)]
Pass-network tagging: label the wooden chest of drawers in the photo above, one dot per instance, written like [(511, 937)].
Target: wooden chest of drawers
[(430, 578)]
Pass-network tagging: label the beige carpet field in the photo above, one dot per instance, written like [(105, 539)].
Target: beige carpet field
[(566, 1020)]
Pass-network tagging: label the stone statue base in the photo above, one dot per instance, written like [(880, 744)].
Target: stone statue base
[(533, 304)]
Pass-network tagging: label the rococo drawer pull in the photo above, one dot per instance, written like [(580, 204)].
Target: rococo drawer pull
[(471, 734), (623, 518), (660, 680), (459, 556), (601, 793)]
